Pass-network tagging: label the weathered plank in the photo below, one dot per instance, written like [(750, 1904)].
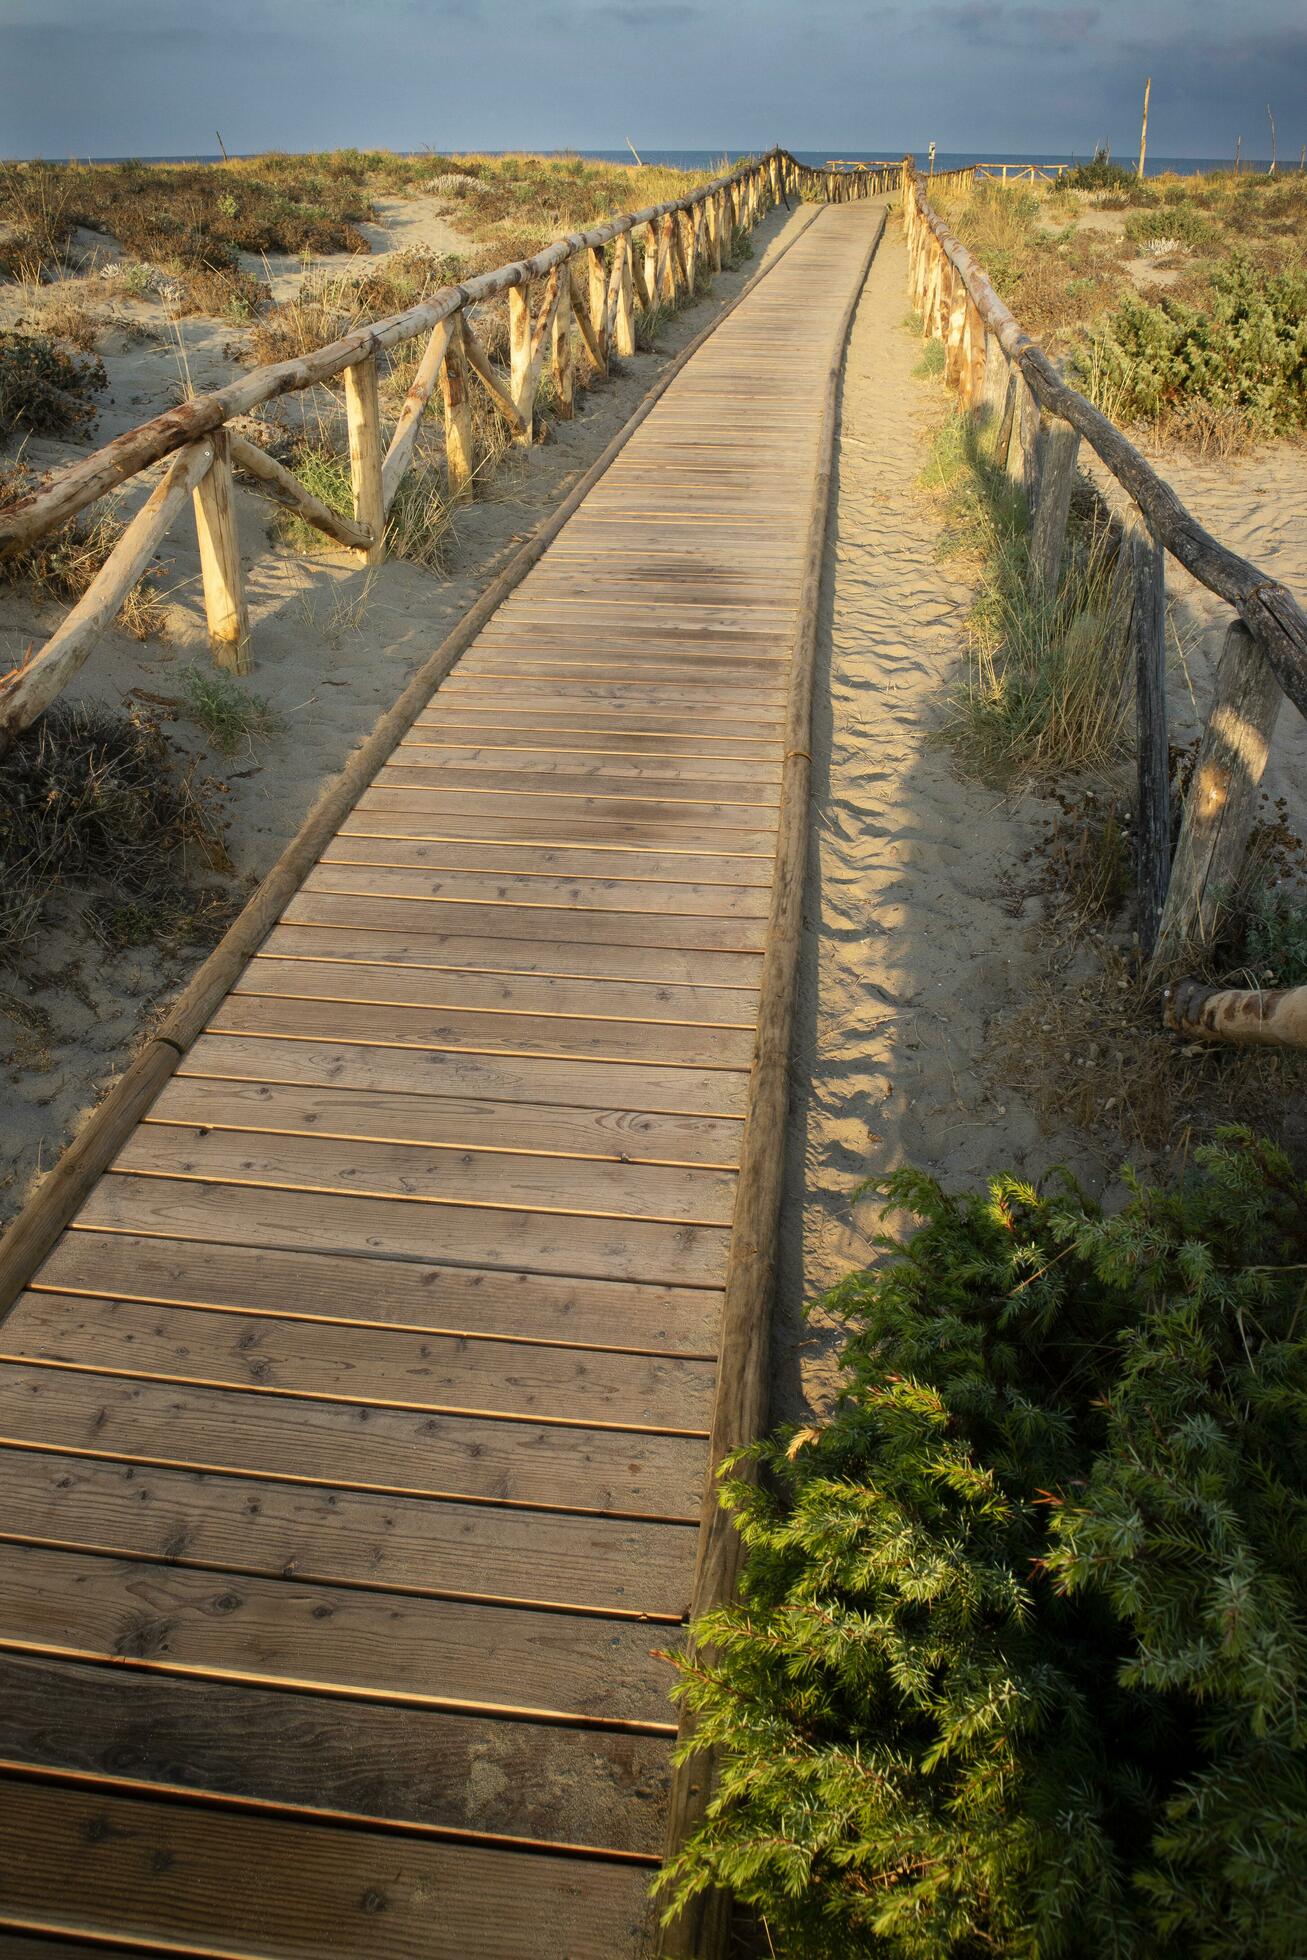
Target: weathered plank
[(422, 1767), (555, 1466), (366, 1290), (80, 1861), (417, 1545)]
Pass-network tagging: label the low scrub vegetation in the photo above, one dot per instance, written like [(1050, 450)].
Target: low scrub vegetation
[(1186, 314), (230, 715), (94, 808), (44, 390), (1019, 1661)]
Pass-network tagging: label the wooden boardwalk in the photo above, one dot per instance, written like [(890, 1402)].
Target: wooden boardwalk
[(355, 1433)]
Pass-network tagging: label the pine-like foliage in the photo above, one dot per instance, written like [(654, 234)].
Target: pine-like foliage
[(1020, 1660)]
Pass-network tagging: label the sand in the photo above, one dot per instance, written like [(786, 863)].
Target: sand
[(333, 646), (921, 930)]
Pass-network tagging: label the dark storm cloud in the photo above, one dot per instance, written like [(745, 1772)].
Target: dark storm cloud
[(150, 77)]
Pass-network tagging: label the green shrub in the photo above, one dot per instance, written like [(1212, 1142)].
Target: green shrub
[(1275, 936), (1246, 352), (43, 390), (1019, 1662), (1099, 175)]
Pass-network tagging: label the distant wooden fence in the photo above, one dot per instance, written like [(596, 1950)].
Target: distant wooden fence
[(592, 282), (1020, 173), (999, 372)]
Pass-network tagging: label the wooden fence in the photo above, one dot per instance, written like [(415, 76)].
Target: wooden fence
[(585, 288), (999, 372), (1020, 173)]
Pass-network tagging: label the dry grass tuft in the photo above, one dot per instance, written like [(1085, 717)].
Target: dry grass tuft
[(92, 803), (62, 565), (1045, 688)]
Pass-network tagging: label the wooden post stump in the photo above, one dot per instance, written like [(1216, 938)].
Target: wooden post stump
[(1219, 809), (363, 419), (220, 561)]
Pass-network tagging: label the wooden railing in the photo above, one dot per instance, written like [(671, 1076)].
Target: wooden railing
[(587, 287), (1001, 374), (1020, 173)]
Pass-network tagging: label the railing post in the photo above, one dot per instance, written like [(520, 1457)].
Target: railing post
[(597, 291), (652, 286), (363, 420), (624, 324), (1058, 449), (519, 362), (1147, 570), (667, 259), (1221, 803), (561, 370), (460, 458), (220, 561), (713, 219), (727, 222)]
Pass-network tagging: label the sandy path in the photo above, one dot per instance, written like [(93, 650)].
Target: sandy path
[(909, 945)]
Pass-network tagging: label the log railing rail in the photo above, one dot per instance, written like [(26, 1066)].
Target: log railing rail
[(591, 281), (998, 371)]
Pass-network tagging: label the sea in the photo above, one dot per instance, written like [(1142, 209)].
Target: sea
[(710, 160)]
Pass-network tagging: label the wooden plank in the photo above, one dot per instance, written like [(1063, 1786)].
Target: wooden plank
[(428, 750), (512, 995), (372, 1364), (364, 1290), (341, 1537), (634, 932), (528, 1079), (416, 1766), (515, 1240), (604, 891), (417, 1173), (414, 813), (582, 1084), (353, 846), (753, 734), (322, 934), (542, 1466), (456, 1122), (405, 772), (79, 1860), (559, 1037), (429, 1652), (527, 732)]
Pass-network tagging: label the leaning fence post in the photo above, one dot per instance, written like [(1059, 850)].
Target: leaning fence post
[(460, 458), (1058, 449), (519, 362), (561, 369), (597, 292), (363, 420), (1147, 568), (624, 324), (1220, 805), (220, 561)]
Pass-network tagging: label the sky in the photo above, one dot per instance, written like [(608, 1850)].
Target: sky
[(159, 77)]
